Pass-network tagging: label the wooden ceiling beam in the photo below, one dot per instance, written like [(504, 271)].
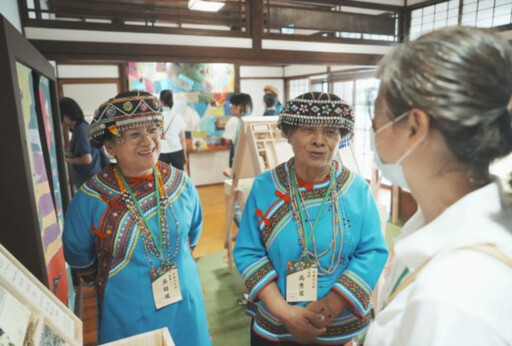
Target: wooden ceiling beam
[(99, 51)]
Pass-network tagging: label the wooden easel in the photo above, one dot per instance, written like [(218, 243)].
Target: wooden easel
[(260, 147)]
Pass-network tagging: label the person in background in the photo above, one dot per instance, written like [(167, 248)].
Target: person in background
[(85, 160), (131, 230), (173, 151), (241, 106), (269, 89), (190, 116), (270, 101), (310, 247), (442, 116)]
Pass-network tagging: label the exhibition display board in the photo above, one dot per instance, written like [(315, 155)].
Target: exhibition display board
[(30, 314), (260, 147), (33, 178)]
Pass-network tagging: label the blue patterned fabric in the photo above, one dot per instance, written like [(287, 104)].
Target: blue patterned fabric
[(268, 238), (99, 230)]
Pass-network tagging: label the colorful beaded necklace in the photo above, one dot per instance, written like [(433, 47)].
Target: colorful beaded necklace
[(301, 215), (152, 244)]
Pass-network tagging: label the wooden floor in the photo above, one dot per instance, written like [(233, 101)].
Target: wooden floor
[(212, 240)]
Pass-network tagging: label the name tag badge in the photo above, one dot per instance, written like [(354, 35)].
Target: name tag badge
[(301, 281), (166, 285)]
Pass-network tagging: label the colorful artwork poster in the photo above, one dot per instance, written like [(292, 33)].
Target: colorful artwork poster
[(47, 116), (181, 77), (47, 216), (200, 91)]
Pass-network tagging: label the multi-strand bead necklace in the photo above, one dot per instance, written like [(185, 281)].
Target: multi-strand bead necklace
[(152, 244), (303, 220)]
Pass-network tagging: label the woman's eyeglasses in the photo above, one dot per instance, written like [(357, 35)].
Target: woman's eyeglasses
[(137, 136)]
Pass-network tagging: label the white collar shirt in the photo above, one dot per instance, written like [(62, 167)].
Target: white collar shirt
[(462, 296)]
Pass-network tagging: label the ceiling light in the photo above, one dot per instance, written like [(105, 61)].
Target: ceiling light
[(202, 5)]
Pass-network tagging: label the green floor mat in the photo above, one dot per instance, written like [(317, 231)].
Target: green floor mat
[(229, 325)]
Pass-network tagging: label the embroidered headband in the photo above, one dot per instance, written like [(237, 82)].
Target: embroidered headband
[(315, 109), (125, 111)]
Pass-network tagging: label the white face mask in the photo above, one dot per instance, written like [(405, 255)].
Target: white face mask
[(392, 171)]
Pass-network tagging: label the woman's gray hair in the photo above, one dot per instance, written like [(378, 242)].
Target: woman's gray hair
[(462, 77)]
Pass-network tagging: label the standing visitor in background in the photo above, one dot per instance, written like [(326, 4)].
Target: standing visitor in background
[(188, 114), (442, 115), (310, 247), (270, 102), (130, 231), (269, 89), (174, 148), (85, 159), (241, 105)]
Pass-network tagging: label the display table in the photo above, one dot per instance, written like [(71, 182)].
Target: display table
[(206, 167), (159, 337)]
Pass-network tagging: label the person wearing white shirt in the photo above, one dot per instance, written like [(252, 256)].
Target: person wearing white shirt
[(173, 147), (241, 105), (442, 116)]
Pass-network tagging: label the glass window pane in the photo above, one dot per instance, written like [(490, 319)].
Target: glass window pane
[(503, 10), (501, 20), (428, 10), (428, 19), (453, 4), (417, 13), (451, 21), (427, 27), (470, 8), (485, 4), (441, 7), (453, 13), (469, 19), (484, 23), (503, 2)]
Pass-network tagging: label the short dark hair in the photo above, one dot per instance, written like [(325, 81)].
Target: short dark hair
[(166, 98), (244, 100), (270, 100), (71, 109)]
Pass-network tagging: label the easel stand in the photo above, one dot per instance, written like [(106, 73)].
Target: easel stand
[(260, 147)]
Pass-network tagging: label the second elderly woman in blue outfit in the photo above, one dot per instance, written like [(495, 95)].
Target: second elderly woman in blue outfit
[(310, 247), (130, 230)]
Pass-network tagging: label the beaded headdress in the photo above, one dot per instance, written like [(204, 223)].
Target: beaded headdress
[(125, 111), (315, 109)]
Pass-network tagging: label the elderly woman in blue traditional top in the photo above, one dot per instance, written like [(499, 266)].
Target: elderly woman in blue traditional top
[(130, 230), (310, 246)]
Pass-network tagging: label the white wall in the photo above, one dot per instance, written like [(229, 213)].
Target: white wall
[(261, 71), (254, 87), (88, 71), (300, 70), (87, 94), (9, 9), (251, 83), (90, 96), (36, 33)]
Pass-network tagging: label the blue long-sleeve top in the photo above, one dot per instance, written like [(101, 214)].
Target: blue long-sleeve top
[(269, 237)]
